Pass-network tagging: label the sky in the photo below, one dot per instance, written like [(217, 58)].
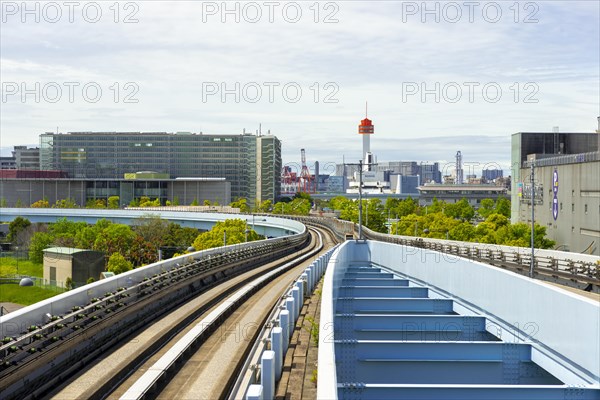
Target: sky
[(438, 76)]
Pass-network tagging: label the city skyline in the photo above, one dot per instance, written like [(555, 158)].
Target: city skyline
[(192, 67)]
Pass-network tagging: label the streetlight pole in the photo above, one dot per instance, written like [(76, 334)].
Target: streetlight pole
[(360, 183), (17, 257), (360, 167), (532, 218)]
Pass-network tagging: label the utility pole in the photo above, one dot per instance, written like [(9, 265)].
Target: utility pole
[(532, 218)]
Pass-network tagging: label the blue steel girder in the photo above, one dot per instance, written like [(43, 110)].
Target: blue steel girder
[(361, 391)]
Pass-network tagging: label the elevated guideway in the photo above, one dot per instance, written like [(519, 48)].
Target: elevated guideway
[(404, 322), (267, 225)]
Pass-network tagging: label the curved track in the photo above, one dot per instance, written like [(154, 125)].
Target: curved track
[(231, 336)]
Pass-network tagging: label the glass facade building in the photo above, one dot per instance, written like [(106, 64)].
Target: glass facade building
[(251, 163)]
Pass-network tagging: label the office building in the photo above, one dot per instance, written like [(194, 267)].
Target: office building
[(251, 163), (27, 158), (23, 188), (8, 163), (566, 189), (491, 174)]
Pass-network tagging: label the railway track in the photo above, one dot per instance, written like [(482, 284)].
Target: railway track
[(43, 356), (218, 349)]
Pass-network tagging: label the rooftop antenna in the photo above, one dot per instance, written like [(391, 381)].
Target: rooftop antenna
[(366, 109)]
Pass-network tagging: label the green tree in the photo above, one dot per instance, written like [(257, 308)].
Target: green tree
[(405, 207), (436, 206), (69, 283), (409, 225), (460, 210), (235, 230), (41, 204), (115, 238), (142, 252), (113, 202), (95, 203), (18, 203), (65, 227), (146, 202), (240, 203), (503, 207), (65, 203), (175, 201), (117, 264), (486, 208), (464, 231), (152, 228), (194, 202), (178, 236), (3, 202), (486, 231), (17, 225), (39, 241), (264, 206), (373, 215)]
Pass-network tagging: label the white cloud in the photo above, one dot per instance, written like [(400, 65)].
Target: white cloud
[(369, 54)]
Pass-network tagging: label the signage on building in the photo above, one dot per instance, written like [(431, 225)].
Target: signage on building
[(555, 192)]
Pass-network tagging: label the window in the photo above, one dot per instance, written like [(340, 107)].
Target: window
[(585, 208), (572, 207)]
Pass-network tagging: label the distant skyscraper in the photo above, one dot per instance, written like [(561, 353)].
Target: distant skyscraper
[(459, 169), (491, 174)]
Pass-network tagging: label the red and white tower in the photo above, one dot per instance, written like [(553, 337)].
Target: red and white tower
[(366, 129)]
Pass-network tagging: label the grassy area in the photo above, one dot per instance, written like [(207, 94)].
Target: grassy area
[(25, 295), (8, 266)]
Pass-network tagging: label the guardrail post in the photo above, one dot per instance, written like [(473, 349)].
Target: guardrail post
[(309, 273), (277, 347), (304, 278), (284, 323), (267, 374), (291, 307), (297, 304), (254, 392), (300, 285)]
